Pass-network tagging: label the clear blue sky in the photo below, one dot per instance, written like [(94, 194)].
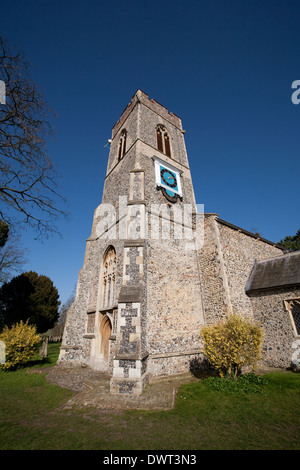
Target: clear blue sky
[(224, 67)]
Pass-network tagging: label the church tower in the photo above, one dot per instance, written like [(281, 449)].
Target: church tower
[(138, 305)]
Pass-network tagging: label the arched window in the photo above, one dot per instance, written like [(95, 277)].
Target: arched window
[(122, 145), (163, 140), (159, 139), (109, 278)]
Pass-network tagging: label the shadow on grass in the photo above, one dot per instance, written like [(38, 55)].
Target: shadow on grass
[(37, 361), (201, 369)]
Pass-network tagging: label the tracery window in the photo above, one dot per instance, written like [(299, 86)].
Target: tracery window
[(293, 307), (163, 140), (122, 144), (109, 278)]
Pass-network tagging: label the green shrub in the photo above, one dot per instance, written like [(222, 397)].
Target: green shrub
[(21, 343), (232, 343)]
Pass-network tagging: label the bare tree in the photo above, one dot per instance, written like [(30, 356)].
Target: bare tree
[(58, 329), (11, 259), (11, 255), (28, 191)]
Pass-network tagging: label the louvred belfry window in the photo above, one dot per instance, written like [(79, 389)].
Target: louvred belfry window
[(159, 140), (122, 145), (167, 145), (163, 141)]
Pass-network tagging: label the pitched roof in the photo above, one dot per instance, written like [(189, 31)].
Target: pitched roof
[(281, 271)]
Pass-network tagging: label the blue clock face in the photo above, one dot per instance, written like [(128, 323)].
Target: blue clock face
[(168, 178)]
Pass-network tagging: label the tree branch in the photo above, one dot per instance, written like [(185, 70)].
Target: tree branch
[(27, 178)]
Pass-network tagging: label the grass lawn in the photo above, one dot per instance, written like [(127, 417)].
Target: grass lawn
[(32, 417)]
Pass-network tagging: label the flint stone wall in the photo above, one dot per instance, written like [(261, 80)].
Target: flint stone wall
[(226, 261), (279, 336)]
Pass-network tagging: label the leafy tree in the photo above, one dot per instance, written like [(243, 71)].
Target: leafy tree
[(15, 300), (31, 297), (28, 192), (292, 243), (44, 301), (231, 344)]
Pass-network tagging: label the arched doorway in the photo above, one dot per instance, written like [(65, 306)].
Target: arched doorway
[(105, 316), (105, 333)]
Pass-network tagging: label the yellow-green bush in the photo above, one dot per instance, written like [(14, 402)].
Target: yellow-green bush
[(232, 343), (21, 343)]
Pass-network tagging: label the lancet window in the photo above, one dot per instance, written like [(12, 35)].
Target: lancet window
[(122, 144), (163, 140)]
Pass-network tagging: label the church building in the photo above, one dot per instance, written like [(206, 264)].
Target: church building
[(157, 268)]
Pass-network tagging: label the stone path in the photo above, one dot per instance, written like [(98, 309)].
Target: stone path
[(92, 389)]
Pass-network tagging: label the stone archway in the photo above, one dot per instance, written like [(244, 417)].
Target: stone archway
[(105, 333)]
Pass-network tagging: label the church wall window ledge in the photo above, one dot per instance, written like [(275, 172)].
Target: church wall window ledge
[(70, 346), (175, 354)]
